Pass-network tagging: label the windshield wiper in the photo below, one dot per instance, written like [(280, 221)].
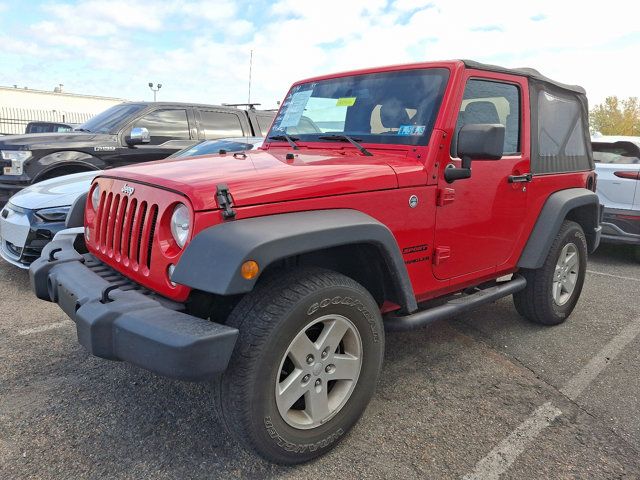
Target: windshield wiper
[(290, 140), (346, 138), (81, 130)]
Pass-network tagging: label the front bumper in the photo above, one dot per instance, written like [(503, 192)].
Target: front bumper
[(23, 235), (117, 319), (621, 226)]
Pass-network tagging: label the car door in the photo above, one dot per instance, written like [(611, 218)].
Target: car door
[(169, 130), (479, 219)]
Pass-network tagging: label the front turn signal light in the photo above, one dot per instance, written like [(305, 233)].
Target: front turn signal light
[(249, 270)]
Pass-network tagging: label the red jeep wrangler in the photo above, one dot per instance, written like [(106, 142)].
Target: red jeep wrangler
[(384, 199)]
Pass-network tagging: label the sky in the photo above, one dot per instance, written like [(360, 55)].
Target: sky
[(199, 50)]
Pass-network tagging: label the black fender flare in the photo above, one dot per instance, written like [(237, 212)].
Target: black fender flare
[(66, 158), (212, 260), (578, 204)]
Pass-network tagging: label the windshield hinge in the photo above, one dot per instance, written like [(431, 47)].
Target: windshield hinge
[(225, 201)]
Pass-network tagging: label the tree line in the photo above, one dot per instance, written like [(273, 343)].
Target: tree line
[(616, 117)]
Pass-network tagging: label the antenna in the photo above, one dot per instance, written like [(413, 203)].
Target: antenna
[(250, 67)]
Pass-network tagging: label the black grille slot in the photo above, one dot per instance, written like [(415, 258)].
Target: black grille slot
[(119, 228), (134, 205), (143, 212), (154, 218)]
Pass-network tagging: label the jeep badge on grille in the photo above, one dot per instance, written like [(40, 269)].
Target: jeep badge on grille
[(127, 189)]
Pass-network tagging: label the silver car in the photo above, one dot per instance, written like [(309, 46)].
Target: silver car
[(33, 216)]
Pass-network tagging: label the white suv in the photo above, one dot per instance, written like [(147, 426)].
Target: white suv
[(618, 168)]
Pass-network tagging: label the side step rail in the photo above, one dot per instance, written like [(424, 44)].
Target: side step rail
[(455, 306)]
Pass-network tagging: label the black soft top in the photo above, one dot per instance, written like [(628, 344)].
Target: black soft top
[(525, 72)]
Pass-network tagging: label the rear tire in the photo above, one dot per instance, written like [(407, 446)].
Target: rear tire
[(293, 389), (553, 290)]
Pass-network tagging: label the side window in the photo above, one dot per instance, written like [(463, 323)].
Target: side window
[(491, 102), (165, 125), (264, 122), (220, 124)]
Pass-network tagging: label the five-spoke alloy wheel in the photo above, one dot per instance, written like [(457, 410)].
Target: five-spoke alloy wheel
[(319, 371)]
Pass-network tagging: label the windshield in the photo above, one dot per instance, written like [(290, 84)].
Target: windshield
[(395, 107), (47, 128), (111, 119), (214, 147)]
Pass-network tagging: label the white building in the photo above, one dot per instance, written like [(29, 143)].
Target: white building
[(19, 106)]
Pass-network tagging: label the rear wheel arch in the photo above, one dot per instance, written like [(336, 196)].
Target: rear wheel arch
[(587, 216), (579, 205)]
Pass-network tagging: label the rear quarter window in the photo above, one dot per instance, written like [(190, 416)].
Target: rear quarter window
[(264, 123), (617, 153), (220, 124), (560, 134)]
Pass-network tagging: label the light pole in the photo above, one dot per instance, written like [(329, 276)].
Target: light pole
[(155, 90)]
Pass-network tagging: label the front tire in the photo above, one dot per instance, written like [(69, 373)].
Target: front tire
[(305, 365), (553, 290)]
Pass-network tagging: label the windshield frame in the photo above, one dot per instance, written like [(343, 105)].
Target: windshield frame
[(133, 110), (443, 72)]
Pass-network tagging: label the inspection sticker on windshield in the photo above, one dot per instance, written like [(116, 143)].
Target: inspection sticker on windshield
[(346, 102), (407, 130), (296, 108)]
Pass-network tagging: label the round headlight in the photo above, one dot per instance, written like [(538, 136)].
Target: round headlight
[(180, 224), (95, 198)]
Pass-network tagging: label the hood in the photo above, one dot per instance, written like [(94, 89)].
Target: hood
[(38, 141), (266, 176), (56, 192)]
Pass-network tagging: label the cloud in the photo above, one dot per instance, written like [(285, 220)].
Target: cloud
[(200, 49)]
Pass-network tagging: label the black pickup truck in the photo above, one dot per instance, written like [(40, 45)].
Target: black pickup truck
[(127, 133)]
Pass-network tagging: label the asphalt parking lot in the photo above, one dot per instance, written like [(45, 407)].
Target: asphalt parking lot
[(484, 395)]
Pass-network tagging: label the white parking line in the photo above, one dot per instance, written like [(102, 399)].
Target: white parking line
[(507, 451), (597, 364), (44, 328), (620, 277)]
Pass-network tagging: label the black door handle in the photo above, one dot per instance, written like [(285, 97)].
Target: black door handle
[(527, 177)]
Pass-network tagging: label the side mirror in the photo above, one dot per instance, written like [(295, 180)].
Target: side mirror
[(138, 135), (477, 141), (481, 141)]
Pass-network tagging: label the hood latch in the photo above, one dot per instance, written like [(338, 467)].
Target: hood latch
[(225, 201)]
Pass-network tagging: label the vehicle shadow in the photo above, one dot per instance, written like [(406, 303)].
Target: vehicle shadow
[(616, 254)]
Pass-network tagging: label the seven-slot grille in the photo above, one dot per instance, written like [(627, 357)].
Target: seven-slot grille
[(124, 229)]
